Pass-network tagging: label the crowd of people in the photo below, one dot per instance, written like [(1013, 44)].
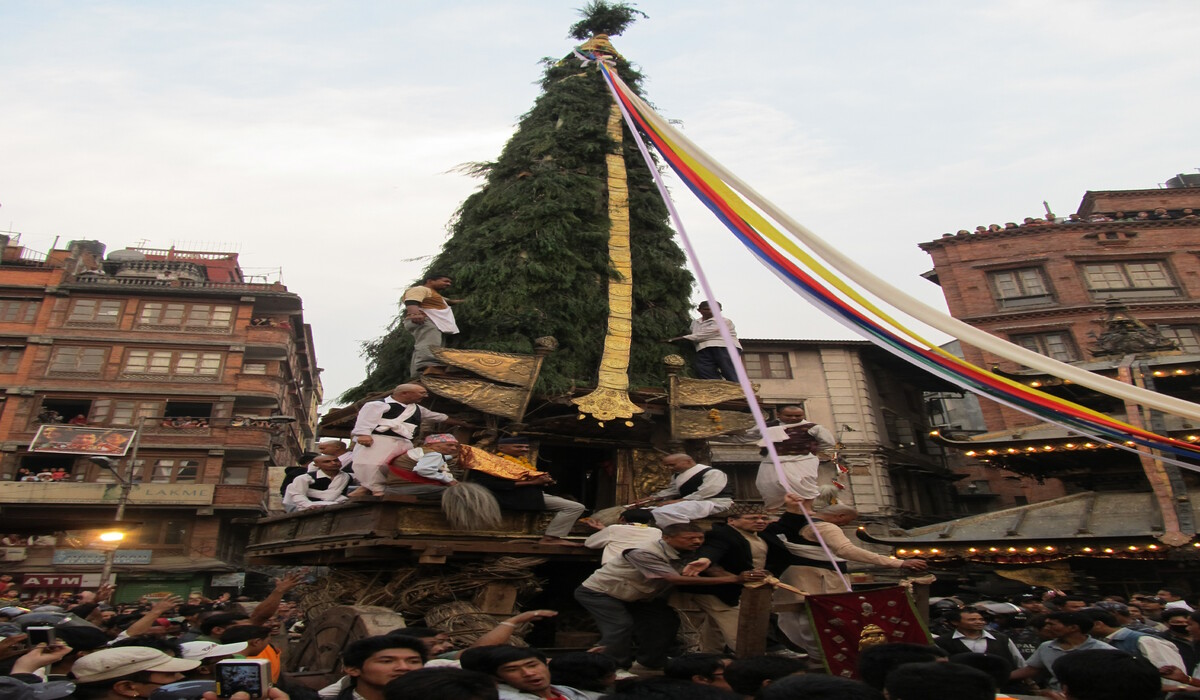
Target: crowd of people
[(1082, 649)]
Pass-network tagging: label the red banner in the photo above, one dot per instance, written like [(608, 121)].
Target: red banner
[(846, 623)]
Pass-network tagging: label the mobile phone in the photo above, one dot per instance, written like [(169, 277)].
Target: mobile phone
[(251, 676), (41, 635)]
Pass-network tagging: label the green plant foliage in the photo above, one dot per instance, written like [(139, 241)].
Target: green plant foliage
[(600, 17), (529, 249)]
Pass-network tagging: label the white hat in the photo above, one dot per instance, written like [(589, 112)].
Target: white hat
[(107, 664), (205, 650)]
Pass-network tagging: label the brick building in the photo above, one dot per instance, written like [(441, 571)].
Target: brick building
[(1114, 289), (219, 372)]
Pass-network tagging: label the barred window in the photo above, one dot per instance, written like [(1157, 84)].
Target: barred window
[(10, 359), (1186, 337)]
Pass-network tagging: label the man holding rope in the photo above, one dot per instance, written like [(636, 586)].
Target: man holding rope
[(796, 545), (797, 443)]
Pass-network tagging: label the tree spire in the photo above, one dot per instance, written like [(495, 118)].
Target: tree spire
[(601, 17)]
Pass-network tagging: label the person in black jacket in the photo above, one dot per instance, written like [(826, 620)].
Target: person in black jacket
[(969, 635), (732, 547)]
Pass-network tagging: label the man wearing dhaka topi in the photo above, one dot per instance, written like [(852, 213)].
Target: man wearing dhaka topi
[(386, 428)]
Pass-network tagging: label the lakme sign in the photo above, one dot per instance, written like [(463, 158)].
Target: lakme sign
[(75, 492)]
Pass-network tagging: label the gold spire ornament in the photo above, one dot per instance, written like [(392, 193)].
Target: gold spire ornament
[(611, 400)]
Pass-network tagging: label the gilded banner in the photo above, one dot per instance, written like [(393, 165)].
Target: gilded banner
[(501, 367), (691, 424), (504, 401), (705, 392)]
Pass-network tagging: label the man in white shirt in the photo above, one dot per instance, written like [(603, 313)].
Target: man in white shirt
[(425, 470), (428, 317), (969, 636), (696, 491), (633, 529), (712, 357), (326, 487), (798, 444), (387, 427), (1152, 648)]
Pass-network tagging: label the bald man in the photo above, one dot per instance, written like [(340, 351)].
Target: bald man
[(387, 427), (696, 491), (809, 568), (336, 448)]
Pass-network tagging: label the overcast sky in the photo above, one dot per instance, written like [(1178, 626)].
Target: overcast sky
[(322, 137)]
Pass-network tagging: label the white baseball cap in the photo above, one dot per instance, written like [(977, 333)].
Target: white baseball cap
[(107, 664), (205, 650)]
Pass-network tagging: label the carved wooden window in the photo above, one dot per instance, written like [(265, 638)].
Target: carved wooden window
[(1142, 278), (186, 317), (168, 471), (176, 364), (100, 312), (1186, 337), (1020, 288), (1055, 344), (10, 359), (75, 359), (18, 310)]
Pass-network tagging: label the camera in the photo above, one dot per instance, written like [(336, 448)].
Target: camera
[(251, 676), (41, 635)]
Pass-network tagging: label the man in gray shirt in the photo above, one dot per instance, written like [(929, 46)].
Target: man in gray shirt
[(1070, 630), (627, 595)]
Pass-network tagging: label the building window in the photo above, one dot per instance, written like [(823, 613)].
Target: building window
[(1144, 278), (189, 317), (236, 476), (1057, 345), (254, 368), (1020, 288), (18, 310), (109, 412), (175, 364), (1187, 337), (168, 471), (94, 312), (75, 359), (10, 359), (767, 365)]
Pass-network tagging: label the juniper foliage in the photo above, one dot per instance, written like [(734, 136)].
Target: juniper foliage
[(529, 249)]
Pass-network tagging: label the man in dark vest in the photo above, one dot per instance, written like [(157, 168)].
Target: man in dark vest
[(520, 486), (970, 636), (387, 427), (696, 491), (733, 547), (798, 443)]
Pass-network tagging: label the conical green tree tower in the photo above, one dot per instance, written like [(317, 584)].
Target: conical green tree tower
[(529, 250)]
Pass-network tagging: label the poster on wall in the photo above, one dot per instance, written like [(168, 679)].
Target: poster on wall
[(82, 440)]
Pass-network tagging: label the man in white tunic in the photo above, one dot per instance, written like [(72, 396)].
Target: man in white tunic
[(386, 427), (326, 487), (429, 318), (797, 443), (696, 491)]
